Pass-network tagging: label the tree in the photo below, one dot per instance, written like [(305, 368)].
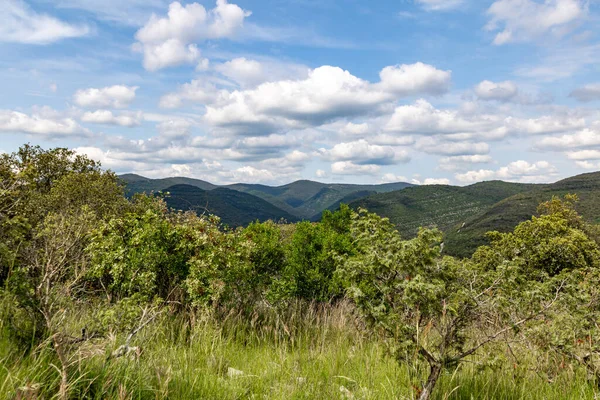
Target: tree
[(35, 182), (50, 277), (310, 257), (550, 257), (266, 261), (221, 271), (424, 304), (141, 252)]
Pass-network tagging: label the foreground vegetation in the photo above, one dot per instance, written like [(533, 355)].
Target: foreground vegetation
[(108, 297), (325, 356)]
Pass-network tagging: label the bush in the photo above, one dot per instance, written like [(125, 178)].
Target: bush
[(144, 252), (311, 258)]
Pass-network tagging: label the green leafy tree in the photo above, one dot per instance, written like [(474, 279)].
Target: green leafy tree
[(310, 258), (221, 271), (35, 182), (267, 259), (51, 276), (543, 246), (425, 305), (142, 252), (551, 269)]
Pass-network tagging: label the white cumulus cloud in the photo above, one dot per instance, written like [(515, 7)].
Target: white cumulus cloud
[(107, 117), (361, 152), (350, 168), (171, 40), (412, 79), (517, 171), (320, 173), (39, 124), (583, 155), (250, 73), (436, 181), (501, 91), (391, 177), (584, 138), (327, 93), (423, 118), (432, 145), (117, 96), (354, 129), (454, 163)]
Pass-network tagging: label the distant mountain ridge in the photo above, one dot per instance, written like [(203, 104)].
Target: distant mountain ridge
[(438, 205), (504, 215), (139, 184), (233, 207), (463, 213), (308, 199), (302, 199)]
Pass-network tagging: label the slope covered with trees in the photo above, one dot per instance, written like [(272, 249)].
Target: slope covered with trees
[(308, 199), (443, 206), (506, 214), (233, 207), (302, 199), (138, 184)]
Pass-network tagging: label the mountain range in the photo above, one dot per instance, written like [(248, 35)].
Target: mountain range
[(241, 203), (463, 213)]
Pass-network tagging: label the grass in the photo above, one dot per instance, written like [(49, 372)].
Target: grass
[(317, 353)]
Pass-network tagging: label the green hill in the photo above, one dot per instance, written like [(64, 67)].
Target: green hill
[(139, 184), (235, 208), (465, 214), (308, 199), (303, 199), (354, 196), (443, 206), (506, 214)]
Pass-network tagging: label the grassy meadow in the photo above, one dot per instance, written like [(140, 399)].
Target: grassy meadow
[(312, 352)]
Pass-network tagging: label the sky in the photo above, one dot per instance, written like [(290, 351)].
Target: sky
[(272, 91)]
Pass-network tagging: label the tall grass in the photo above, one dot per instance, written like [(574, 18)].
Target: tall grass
[(305, 352)]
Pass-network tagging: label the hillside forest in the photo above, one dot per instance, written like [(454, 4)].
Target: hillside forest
[(112, 293)]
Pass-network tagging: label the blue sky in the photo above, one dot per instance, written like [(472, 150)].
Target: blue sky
[(424, 91)]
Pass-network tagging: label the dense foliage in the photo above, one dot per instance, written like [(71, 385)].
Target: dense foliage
[(85, 271)]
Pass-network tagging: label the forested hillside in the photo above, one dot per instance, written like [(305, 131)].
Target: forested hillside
[(233, 207), (506, 214), (308, 199), (443, 206), (139, 184), (302, 199)]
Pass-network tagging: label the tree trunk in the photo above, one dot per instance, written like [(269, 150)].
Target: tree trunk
[(63, 391), (434, 374)]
